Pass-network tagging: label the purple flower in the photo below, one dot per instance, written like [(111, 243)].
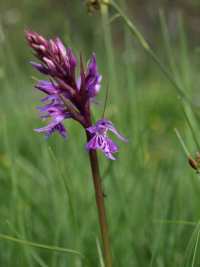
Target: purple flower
[(99, 139), (93, 78), (47, 87), (54, 110), (68, 94), (51, 128)]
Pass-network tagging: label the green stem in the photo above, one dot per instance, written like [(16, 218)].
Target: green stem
[(37, 245), (108, 45), (187, 153), (100, 205)]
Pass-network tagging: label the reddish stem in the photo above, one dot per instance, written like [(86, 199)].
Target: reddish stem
[(100, 205)]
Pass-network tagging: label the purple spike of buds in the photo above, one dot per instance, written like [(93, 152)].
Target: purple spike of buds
[(69, 96)]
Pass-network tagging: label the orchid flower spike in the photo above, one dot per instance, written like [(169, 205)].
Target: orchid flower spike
[(68, 96)]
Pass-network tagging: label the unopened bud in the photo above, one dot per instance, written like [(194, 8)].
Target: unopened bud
[(39, 47), (93, 5), (193, 163), (49, 63), (53, 47)]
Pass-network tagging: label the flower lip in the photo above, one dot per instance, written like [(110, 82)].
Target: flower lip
[(99, 139), (51, 128)]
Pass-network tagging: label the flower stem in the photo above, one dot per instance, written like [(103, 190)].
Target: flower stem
[(100, 205)]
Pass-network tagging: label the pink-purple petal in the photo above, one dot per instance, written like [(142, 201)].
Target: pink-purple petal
[(120, 136), (46, 87), (93, 78), (39, 67), (60, 47), (100, 141), (52, 127)]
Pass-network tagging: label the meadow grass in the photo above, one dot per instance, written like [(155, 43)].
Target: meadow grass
[(152, 195)]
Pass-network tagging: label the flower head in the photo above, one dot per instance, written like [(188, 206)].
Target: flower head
[(68, 96), (100, 140)]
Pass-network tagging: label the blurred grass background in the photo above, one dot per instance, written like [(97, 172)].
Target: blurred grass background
[(46, 192)]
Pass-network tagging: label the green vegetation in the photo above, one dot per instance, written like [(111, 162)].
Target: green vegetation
[(46, 191)]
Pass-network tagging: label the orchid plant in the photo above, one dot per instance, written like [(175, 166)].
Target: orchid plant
[(69, 96)]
